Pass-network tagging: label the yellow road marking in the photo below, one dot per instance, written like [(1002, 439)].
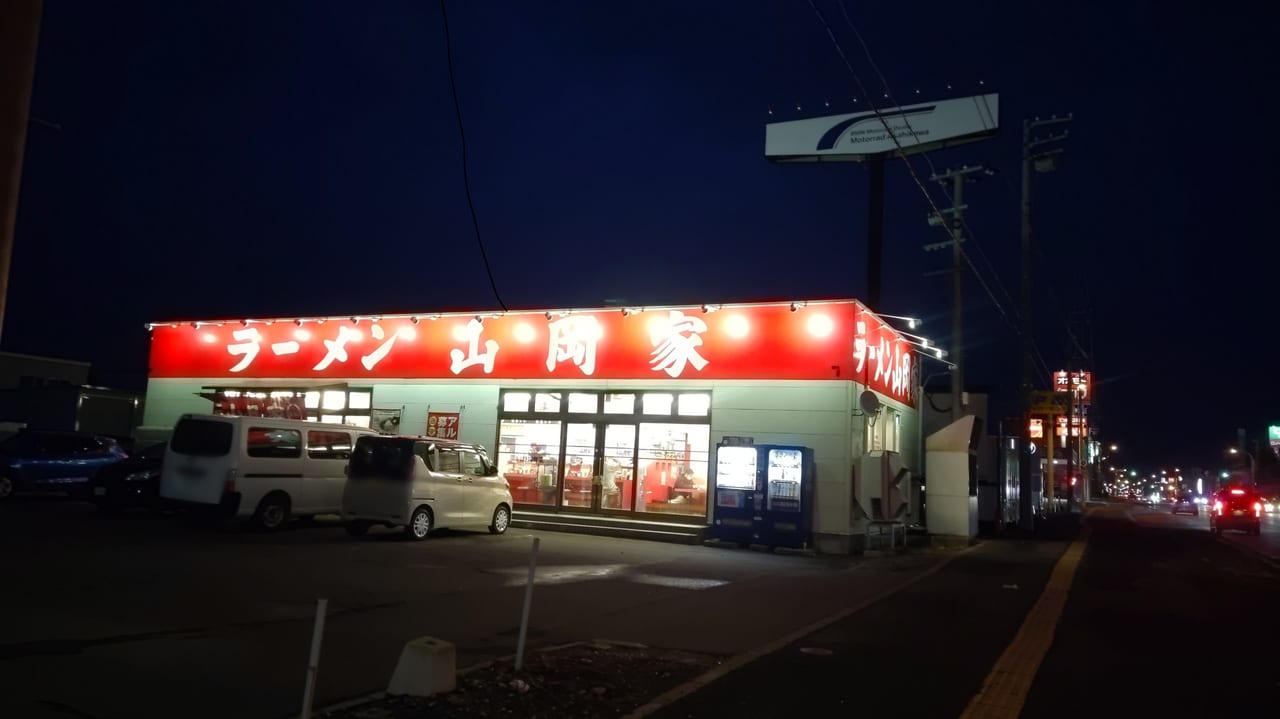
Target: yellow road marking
[(1005, 689)]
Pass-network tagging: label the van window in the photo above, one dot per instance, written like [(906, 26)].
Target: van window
[(382, 458), (423, 450), (450, 463), (471, 463), (327, 444), (202, 438), (274, 443)]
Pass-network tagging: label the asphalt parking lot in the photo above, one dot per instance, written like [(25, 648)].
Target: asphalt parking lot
[(146, 615)]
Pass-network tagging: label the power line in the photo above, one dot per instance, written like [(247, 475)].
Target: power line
[(905, 159), (973, 238), (466, 172)]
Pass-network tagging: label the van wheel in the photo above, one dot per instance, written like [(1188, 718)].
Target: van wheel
[(420, 524), (501, 520), (358, 529), (272, 512)]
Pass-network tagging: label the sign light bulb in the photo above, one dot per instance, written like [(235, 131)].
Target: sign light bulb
[(737, 327), (525, 333), (820, 325)]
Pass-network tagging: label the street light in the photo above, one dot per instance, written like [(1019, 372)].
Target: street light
[(1115, 448), (1253, 477)]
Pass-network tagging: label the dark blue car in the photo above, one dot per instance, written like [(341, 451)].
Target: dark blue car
[(35, 460)]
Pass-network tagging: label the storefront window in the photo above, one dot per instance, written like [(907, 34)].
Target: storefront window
[(334, 399), (331, 418), (515, 402), (358, 420), (693, 405), (582, 403), (360, 400), (528, 454), (619, 404), (543, 402), (673, 461), (657, 403), (313, 400)]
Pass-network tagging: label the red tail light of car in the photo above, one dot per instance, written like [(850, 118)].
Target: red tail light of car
[(1257, 509), (1217, 507)]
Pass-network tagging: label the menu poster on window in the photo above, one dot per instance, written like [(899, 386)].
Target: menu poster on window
[(386, 421), (443, 424)]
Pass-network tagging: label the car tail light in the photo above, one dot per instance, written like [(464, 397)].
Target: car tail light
[(229, 486), (1217, 507), (1257, 508), (1237, 491)]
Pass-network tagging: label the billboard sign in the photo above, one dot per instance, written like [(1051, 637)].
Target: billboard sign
[(1273, 437), (854, 137)]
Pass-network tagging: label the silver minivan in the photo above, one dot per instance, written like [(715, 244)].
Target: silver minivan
[(422, 484)]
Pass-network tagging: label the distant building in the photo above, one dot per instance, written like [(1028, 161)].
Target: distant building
[(52, 393)]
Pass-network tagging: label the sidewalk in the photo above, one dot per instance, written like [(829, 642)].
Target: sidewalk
[(923, 651)]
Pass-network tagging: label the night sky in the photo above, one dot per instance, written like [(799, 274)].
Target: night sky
[(230, 159)]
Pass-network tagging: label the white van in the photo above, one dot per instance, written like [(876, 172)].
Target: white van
[(422, 484), (263, 468)]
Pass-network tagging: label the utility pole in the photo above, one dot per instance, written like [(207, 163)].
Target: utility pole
[(1040, 161), (955, 223)]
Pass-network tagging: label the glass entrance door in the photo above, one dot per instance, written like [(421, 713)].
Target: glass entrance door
[(599, 467), (581, 465)]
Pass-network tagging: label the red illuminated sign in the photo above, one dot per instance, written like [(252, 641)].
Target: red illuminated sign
[(813, 341), (1078, 382)]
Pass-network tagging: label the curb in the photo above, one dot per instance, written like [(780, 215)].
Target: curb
[(740, 660)]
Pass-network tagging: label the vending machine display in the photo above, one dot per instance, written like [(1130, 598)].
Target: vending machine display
[(785, 469)]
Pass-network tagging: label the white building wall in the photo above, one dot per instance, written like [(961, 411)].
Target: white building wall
[(815, 414), (169, 399)]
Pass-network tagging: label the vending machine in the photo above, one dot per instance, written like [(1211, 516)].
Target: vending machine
[(739, 503), (763, 495), (788, 511)]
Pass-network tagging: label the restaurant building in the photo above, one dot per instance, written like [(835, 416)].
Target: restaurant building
[(610, 412)]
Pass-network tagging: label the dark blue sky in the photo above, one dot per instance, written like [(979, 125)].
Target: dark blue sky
[(245, 158)]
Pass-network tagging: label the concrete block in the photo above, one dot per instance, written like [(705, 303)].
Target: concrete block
[(427, 666)]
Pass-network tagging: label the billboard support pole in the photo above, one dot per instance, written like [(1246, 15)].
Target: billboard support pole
[(875, 229), (19, 36)]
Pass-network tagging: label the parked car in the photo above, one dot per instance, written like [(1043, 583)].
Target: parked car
[(130, 483), (258, 468), (1236, 508), (38, 460), (422, 484), (1186, 505)]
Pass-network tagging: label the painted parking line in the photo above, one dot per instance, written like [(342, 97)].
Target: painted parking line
[(1005, 689)]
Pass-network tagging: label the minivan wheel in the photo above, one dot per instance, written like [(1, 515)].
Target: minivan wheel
[(358, 529), (419, 525), (272, 513), (501, 520), (6, 487)]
